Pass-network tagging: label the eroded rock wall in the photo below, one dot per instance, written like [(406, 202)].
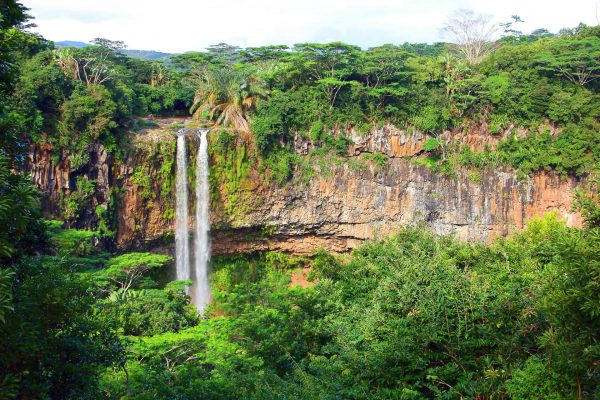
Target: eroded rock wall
[(338, 209), (341, 211)]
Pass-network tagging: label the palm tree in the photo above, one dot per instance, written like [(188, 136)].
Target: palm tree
[(225, 96)]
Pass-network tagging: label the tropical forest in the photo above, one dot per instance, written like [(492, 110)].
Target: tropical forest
[(311, 220)]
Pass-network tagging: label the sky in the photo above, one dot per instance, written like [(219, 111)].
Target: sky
[(176, 26)]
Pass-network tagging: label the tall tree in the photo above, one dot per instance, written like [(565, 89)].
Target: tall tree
[(577, 58), (329, 65), (472, 35)]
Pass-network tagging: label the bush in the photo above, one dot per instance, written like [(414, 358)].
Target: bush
[(536, 380), (280, 164), (151, 312)]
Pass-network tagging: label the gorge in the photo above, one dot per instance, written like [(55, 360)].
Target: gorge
[(311, 221)]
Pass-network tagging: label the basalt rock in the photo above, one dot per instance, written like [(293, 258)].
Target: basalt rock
[(337, 210)]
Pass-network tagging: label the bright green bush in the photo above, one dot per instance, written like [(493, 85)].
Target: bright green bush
[(150, 312)]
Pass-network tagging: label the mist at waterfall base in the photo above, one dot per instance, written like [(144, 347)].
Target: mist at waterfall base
[(200, 289)]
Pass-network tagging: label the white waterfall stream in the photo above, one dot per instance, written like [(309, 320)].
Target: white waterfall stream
[(201, 288), (182, 242)]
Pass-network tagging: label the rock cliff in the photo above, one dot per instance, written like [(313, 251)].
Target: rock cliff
[(336, 209)]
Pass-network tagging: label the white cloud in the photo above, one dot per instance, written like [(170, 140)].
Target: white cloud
[(550, 14), (183, 25)]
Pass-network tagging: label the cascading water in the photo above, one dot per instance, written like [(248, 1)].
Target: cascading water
[(201, 288), (182, 243)]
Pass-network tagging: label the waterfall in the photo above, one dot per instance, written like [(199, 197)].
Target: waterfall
[(201, 288), (182, 244)]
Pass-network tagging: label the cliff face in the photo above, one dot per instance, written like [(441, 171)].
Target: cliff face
[(340, 212), (337, 209)]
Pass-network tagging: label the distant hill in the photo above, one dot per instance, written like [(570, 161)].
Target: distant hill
[(70, 43), (141, 54), (147, 54)]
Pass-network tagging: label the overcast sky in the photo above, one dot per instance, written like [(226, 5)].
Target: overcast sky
[(186, 25)]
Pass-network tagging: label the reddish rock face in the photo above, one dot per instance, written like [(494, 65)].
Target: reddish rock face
[(336, 211), (341, 211)]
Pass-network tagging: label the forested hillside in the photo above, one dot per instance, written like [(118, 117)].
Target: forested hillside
[(412, 316), (544, 83)]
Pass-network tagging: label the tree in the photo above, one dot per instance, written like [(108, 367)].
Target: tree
[(589, 205), (15, 44), (508, 26), (94, 66), (150, 311), (187, 61), (127, 269), (224, 53), (56, 343), (472, 35), (570, 301), (53, 343), (112, 45), (460, 87), (265, 53), (91, 64), (576, 58), (382, 65), (90, 112), (226, 95), (329, 65)]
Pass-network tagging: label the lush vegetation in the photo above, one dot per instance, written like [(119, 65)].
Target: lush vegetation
[(410, 317), (541, 87), (321, 91)]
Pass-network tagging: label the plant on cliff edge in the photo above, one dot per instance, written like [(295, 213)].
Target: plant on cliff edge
[(225, 95)]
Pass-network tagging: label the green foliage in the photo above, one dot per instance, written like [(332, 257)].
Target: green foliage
[(89, 111), (20, 225), (379, 159), (76, 201), (74, 98), (150, 312), (574, 151), (412, 316), (589, 206), (127, 269), (576, 58), (143, 181), (226, 95), (432, 144), (229, 172), (535, 380), (71, 242), (57, 342), (5, 293), (475, 177), (571, 303), (321, 87), (104, 222), (178, 286), (498, 123), (280, 165)]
